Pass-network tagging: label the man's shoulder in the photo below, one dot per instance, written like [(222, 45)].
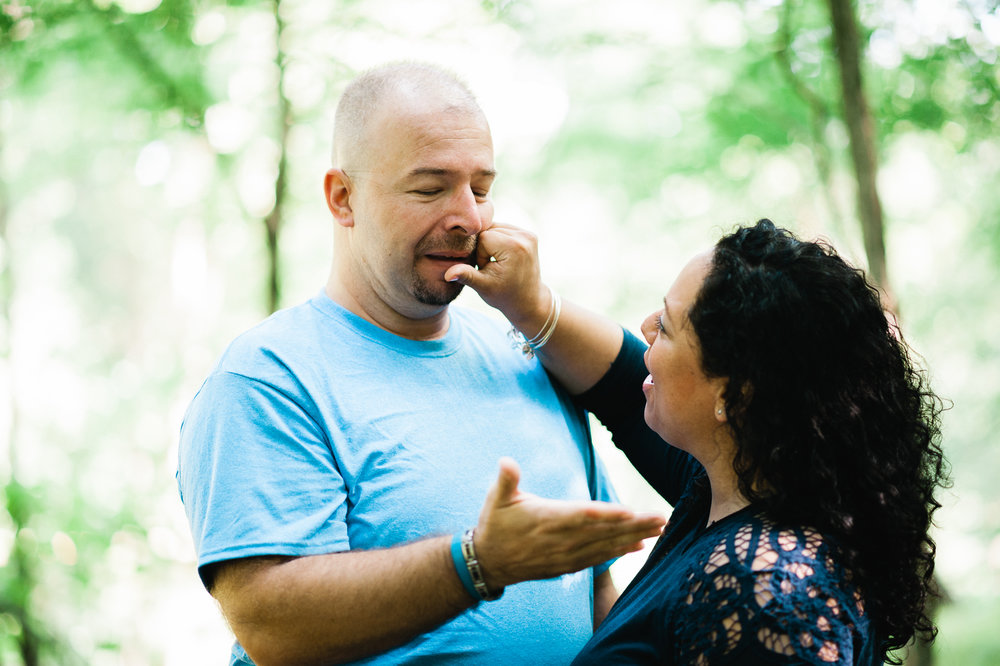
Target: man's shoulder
[(280, 325), (288, 333)]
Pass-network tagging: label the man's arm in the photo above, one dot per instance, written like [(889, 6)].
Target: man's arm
[(605, 596), (343, 606), (332, 608)]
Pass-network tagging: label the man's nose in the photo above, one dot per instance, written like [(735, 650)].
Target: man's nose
[(465, 213)]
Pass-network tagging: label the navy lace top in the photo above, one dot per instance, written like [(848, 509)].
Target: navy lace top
[(743, 590)]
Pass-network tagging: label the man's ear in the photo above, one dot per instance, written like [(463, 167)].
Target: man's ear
[(338, 189)]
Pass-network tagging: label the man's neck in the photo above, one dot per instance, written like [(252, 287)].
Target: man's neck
[(373, 309)]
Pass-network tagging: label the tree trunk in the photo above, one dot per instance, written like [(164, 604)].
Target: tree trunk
[(273, 221), (861, 130)]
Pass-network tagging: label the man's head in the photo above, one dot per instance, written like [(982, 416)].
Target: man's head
[(413, 168), (364, 96)]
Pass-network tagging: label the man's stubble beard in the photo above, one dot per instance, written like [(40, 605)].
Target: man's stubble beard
[(441, 293), (434, 294)]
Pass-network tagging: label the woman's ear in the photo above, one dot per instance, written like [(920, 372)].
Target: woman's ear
[(338, 189), (720, 411), (720, 399)]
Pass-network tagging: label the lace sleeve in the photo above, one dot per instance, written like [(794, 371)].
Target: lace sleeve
[(769, 596)]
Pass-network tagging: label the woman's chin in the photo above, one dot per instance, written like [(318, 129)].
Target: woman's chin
[(649, 417)]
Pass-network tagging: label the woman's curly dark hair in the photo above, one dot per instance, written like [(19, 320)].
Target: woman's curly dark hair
[(834, 426)]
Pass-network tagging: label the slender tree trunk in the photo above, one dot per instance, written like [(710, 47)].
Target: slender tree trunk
[(274, 219), (861, 130)]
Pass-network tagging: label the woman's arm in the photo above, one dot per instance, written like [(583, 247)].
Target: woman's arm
[(589, 354), (583, 344)]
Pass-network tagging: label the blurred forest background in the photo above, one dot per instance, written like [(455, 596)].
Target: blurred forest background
[(161, 168)]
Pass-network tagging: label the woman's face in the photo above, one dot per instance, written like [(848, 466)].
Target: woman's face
[(681, 402)]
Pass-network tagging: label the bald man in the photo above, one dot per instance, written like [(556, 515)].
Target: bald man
[(339, 465)]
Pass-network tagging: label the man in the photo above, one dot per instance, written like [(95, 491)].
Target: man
[(329, 458)]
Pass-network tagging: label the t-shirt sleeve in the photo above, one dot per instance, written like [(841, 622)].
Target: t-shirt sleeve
[(257, 475)]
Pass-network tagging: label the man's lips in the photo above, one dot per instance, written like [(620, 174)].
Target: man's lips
[(647, 383), (452, 257)]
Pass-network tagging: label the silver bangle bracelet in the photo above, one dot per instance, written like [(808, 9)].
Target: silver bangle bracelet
[(529, 347)]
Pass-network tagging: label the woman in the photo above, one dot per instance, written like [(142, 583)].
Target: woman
[(803, 459)]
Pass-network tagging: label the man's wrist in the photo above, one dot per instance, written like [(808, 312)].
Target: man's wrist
[(460, 567), (463, 555)]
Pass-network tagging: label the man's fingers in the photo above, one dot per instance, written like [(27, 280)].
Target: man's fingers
[(608, 533), (595, 553), (585, 547), (621, 535), (596, 516), (617, 523), (505, 488), (566, 555)]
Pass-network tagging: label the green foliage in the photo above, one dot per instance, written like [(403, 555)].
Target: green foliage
[(148, 59), (761, 106)]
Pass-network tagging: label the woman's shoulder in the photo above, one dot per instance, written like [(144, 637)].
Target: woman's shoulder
[(775, 591), (789, 564)]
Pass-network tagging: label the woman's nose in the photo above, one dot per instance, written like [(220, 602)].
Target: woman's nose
[(648, 327)]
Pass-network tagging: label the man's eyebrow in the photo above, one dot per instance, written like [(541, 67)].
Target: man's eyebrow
[(666, 310), (437, 171)]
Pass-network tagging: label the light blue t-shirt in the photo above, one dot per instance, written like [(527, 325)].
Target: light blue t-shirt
[(319, 432)]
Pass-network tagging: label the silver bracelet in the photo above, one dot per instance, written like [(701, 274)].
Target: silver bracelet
[(475, 572), (529, 347)]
